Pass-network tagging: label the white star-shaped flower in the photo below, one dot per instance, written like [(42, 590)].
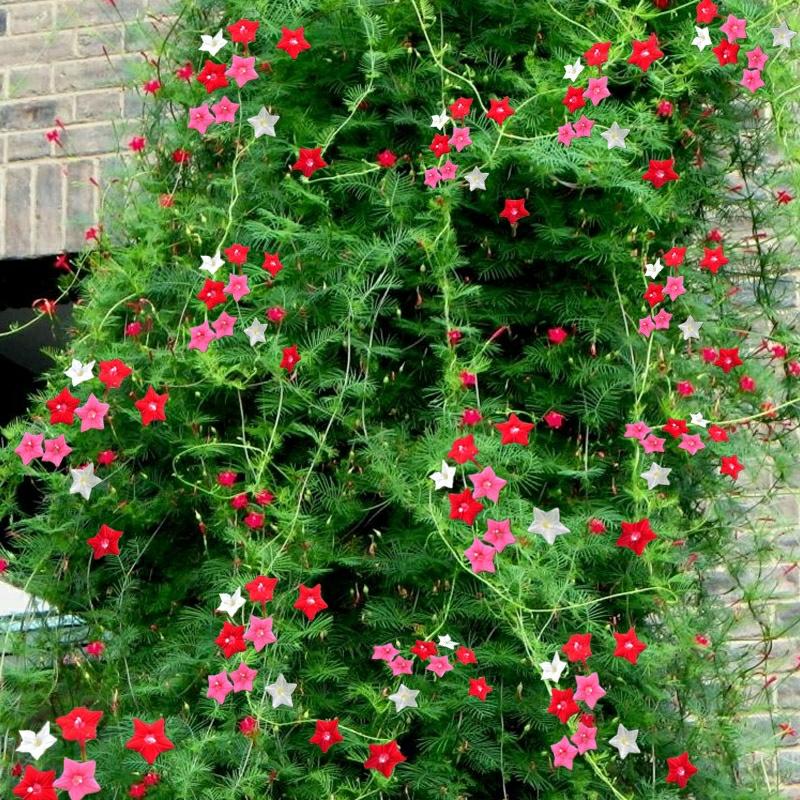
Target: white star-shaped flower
[(625, 741), (255, 332), (703, 38), (83, 481), (79, 373), (782, 36), (552, 670), (230, 603), (690, 328), (443, 479), (653, 270), (699, 419), (438, 121), (281, 692), (476, 179), (447, 642), (571, 71), (547, 524), (656, 475), (36, 744), (211, 264), (212, 44), (263, 123), (615, 136), (404, 698)]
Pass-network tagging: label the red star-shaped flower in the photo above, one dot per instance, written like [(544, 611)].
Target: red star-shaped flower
[(236, 253), (680, 769), (113, 372), (212, 76), (463, 449), (310, 601), (309, 161), (629, 646), (62, 408), (731, 466), (597, 54), (105, 542), (384, 758), (465, 655), (80, 725), (728, 358), (574, 99), (654, 294), (479, 688), (424, 650), (514, 430), (674, 256), (717, 434), (151, 406), (440, 144), (562, 705), (675, 427), (272, 263), (326, 734), (261, 589), (231, 639), (726, 52), (645, 53), (500, 110), (290, 358), (460, 108), (705, 12), (36, 784), (386, 159), (211, 293), (293, 42), (713, 259), (661, 172), (578, 647), (243, 31), (514, 211), (464, 507), (149, 739), (636, 535)]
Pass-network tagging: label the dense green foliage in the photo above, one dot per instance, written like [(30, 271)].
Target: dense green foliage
[(378, 271)]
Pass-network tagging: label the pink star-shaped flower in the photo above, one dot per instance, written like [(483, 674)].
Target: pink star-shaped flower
[(585, 738), (646, 326), (674, 287), (219, 687), (201, 337), (225, 110), (242, 70), (563, 753), (499, 534), (243, 677), (460, 138), (401, 666), (566, 133), (589, 689), (200, 118), (223, 325), (259, 632), (77, 779), (30, 447), (438, 665), (597, 90), (661, 320), (448, 170), (56, 450), (734, 28), (384, 652), (636, 430), (756, 58), (751, 79), (487, 484), (583, 127), (480, 556), (92, 414), (237, 287), (691, 443), (653, 444), (432, 177)]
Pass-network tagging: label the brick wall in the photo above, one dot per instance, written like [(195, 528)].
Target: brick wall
[(65, 60)]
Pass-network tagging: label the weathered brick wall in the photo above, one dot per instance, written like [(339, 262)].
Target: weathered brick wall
[(65, 60)]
